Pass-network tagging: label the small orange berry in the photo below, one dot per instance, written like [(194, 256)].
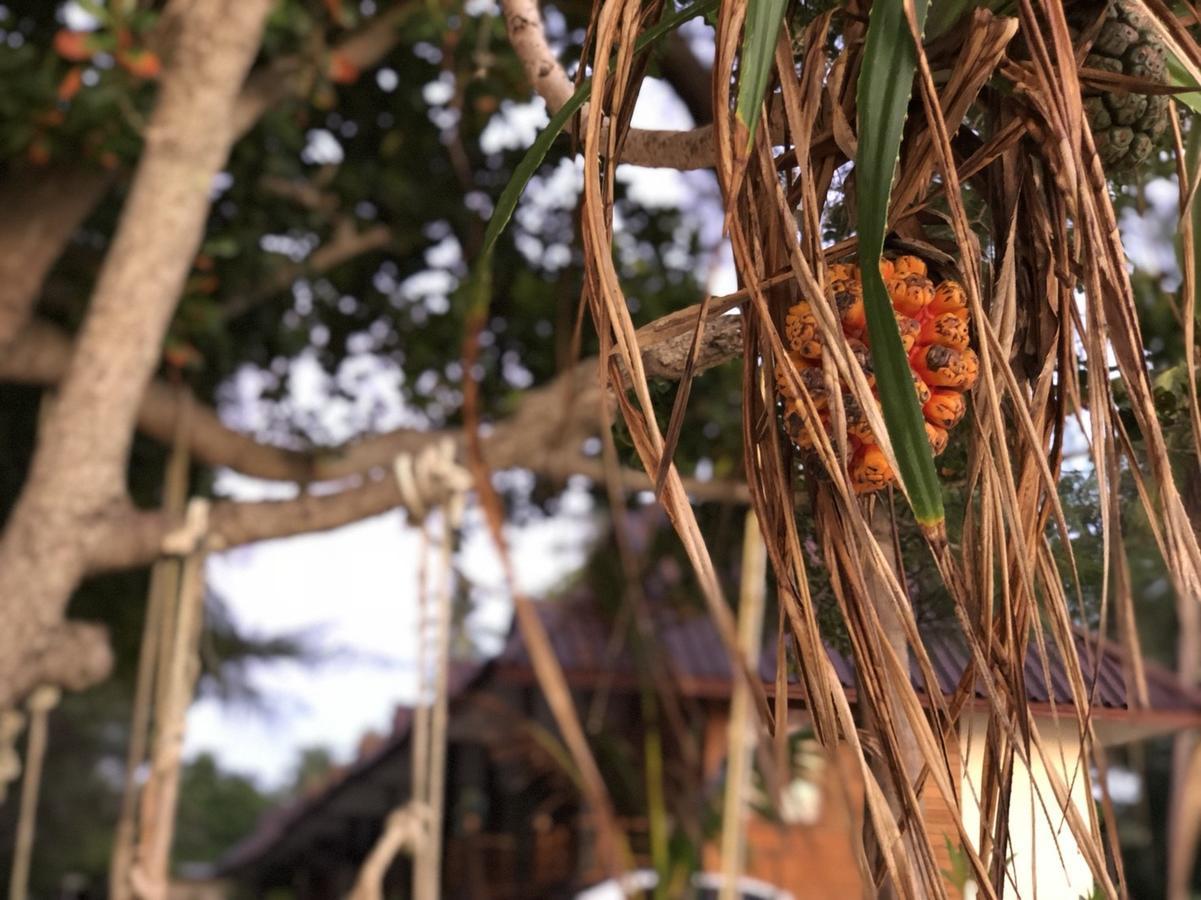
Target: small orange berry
[(842, 272), (857, 426), (800, 329), (948, 329), (945, 367), (73, 45), (910, 329), (944, 408), (864, 357), (140, 63), (909, 265), (949, 297), (848, 300), (922, 389), (938, 438), (910, 293), (870, 470)]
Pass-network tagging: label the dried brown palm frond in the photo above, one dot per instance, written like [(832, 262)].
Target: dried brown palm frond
[(1001, 187)]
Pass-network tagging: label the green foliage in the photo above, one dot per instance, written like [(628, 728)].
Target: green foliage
[(216, 809), (885, 83), (960, 872), (757, 61)]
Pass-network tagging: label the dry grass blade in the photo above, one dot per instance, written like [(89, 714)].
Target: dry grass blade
[(1000, 185), (612, 318)]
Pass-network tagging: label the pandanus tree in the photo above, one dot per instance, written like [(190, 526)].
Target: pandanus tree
[(933, 301), (920, 201)]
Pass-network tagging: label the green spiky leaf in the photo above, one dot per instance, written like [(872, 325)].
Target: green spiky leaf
[(885, 85), (763, 19)]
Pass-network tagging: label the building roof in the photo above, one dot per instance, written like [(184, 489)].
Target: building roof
[(374, 753), (583, 641)]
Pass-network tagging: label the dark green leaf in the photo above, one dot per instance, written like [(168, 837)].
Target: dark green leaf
[(885, 85), (763, 19)]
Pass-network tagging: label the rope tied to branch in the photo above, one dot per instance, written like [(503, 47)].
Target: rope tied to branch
[(193, 534), (426, 480), (430, 478)]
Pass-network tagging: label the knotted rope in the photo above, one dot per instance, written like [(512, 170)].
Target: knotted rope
[(12, 723), (426, 480)]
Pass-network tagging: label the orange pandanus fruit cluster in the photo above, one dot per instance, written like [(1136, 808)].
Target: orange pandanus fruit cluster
[(933, 322)]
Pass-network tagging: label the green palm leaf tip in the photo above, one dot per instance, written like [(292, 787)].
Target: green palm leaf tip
[(763, 19), (885, 85)]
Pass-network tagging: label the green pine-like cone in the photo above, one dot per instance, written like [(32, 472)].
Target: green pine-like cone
[(1126, 126)]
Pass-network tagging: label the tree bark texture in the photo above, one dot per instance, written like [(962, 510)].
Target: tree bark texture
[(78, 470)]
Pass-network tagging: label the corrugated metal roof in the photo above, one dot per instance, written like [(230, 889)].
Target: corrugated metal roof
[(584, 643)]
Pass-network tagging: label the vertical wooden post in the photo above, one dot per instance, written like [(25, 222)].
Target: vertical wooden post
[(178, 672), (751, 600), (40, 702), (161, 597)]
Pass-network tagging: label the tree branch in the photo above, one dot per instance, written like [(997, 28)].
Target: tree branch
[(689, 78), (42, 208), (42, 354), (78, 469), (294, 74), (130, 538), (347, 244), (643, 147), (543, 435)]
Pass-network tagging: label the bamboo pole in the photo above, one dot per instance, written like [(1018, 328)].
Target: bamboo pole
[(751, 601), (419, 755), (151, 867), (40, 702), (161, 597)]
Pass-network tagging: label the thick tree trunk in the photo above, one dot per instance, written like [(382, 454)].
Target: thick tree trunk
[(78, 471)]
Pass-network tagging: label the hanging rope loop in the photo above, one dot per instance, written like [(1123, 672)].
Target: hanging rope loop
[(193, 534), (12, 723), (428, 479)]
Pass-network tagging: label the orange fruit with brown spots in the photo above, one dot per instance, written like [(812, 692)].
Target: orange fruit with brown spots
[(933, 324)]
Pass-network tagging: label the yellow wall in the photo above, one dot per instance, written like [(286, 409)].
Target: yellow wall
[(1046, 861)]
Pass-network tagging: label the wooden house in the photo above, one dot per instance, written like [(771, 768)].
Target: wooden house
[(515, 827)]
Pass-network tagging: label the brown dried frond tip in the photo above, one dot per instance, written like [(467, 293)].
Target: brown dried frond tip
[(933, 322)]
